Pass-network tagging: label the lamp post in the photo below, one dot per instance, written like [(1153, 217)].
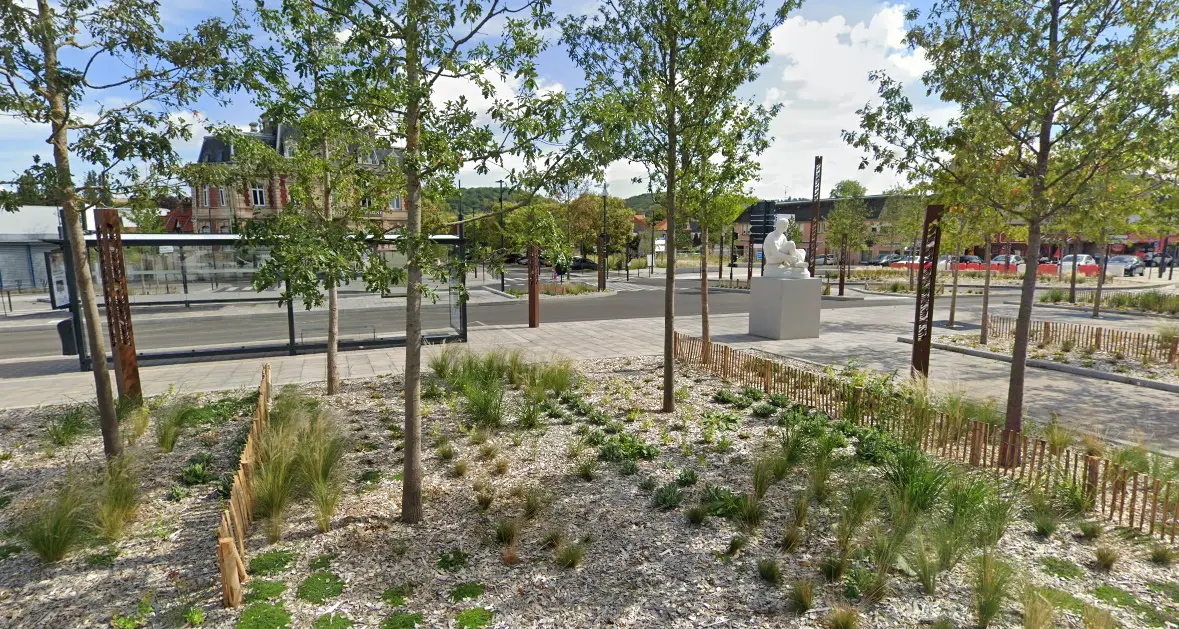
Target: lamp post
[(651, 267), (502, 254), (602, 244)]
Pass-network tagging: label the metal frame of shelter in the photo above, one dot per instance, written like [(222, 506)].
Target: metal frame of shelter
[(291, 347)]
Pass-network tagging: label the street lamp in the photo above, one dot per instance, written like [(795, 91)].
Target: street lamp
[(502, 253)]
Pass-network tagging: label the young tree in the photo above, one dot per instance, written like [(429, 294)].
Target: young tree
[(410, 49), (583, 221), (661, 71), (846, 226), (1108, 207), (1051, 92), (902, 218), (61, 58)]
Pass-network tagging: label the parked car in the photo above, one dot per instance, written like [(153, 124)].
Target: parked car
[(1154, 259), (880, 260), (583, 264), (1012, 259), (1131, 265), (969, 260), (1083, 259)]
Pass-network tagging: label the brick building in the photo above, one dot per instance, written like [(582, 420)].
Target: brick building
[(219, 210)]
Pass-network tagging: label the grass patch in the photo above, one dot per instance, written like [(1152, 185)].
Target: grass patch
[(463, 591), (264, 616), (263, 590), (332, 621), (1062, 568), (1061, 599), (270, 562), (320, 586), (10, 550), (105, 558), (59, 522), (452, 560), (474, 618), (401, 620), (322, 562), (65, 427), (395, 596)]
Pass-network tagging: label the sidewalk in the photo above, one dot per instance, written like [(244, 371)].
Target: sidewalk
[(1122, 412)]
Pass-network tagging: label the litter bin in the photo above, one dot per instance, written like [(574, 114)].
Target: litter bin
[(65, 330)]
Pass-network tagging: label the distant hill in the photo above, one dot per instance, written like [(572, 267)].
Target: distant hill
[(483, 199), (641, 203)]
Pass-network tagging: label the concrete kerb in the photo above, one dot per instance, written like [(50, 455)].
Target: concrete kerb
[(1054, 366), (1089, 309)]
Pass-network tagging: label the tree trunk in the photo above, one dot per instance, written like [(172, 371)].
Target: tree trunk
[(1163, 260), (1072, 287), (107, 419), (704, 332), (842, 264), (669, 282), (982, 337), (1100, 280), (720, 258), (1009, 455), (411, 492), (954, 293)]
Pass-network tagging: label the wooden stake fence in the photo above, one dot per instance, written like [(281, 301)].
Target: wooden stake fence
[(1105, 485), (1134, 345), (239, 509)]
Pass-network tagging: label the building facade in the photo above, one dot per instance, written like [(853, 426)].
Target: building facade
[(220, 210)]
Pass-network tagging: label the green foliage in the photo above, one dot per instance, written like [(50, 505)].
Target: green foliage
[(764, 410), (105, 558), (1091, 530), (992, 583), (264, 616), (58, 522), (263, 590), (464, 591), (843, 618), (1105, 557), (769, 571), (395, 596), (736, 544), (725, 396), (569, 556), (801, 598), (401, 620), (667, 497), (686, 477), (334, 620), (696, 515), (586, 468), (452, 560), (1162, 555), (474, 618), (271, 562), (63, 428), (626, 446), (1062, 568), (720, 501), (198, 470), (118, 501), (9, 550), (507, 531), (321, 449), (320, 586)]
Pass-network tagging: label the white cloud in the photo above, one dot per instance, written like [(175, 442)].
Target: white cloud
[(819, 72)]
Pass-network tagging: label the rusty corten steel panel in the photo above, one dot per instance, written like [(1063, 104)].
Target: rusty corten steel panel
[(118, 306), (931, 236)]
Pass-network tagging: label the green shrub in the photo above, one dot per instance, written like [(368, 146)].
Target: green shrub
[(586, 468), (507, 531), (667, 497), (570, 556), (791, 538), (320, 451), (686, 478), (725, 396), (695, 515), (64, 428), (1105, 557), (1162, 555), (752, 393), (843, 618), (752, 512), (198, 470), (59, 522), (1091, 530), (452, 560), (1043, 516), (172, 420), (484, 404), (402, 620), (557, 376)]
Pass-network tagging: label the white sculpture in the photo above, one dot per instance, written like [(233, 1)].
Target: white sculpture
[(783, 258)]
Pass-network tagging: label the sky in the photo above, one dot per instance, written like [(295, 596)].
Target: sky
[(818, 70)]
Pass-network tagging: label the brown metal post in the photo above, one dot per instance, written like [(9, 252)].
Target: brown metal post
[(816, 190), (118, 307), (534, 286), (926, 279)]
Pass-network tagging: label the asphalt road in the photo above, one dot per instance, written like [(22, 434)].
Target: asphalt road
[(191, 328)]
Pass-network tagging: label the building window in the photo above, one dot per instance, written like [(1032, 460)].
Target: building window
[(258, 194), (224, 227), (395, 203), (205, 197), (366, 157), (204, 229), (221, 198), (366, 202)]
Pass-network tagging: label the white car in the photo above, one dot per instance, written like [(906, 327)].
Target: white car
[(1014, 259), (1083, 259)]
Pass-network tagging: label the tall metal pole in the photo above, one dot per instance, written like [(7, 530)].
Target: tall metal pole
[(816, 191), (651, 267), (502, 253), (732, 250), (602, 244)]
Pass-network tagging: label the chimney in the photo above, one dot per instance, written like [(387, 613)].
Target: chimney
[(253, 127)]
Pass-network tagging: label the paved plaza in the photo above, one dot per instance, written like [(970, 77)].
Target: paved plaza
[(868, 334)]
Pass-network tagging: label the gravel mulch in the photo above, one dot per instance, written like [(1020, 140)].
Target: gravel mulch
[(643, 566)]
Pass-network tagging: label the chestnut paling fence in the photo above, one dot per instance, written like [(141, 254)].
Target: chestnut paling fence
[(1135, 345), (239, 509), (1119, 495)]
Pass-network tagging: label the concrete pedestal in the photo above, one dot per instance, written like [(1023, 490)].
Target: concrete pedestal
[(785, 309)]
